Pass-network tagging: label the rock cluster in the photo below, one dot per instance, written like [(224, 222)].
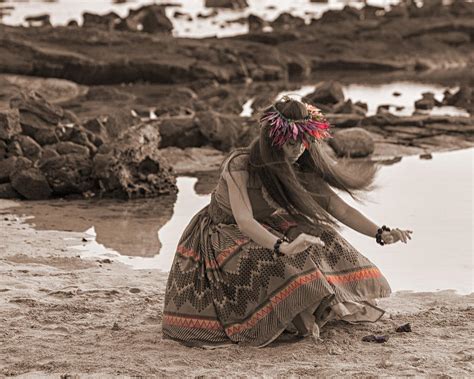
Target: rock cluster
[(45, 151)]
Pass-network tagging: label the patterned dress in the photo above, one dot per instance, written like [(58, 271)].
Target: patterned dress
[(223, 287)]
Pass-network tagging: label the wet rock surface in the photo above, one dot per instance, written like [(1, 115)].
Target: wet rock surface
[(176, 95), (45, 154), (429, 37)]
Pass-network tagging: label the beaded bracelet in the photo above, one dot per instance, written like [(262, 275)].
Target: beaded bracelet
[(378, 236), (276, 247)]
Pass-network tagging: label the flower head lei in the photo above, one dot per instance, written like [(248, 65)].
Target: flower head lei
[(308, 129)]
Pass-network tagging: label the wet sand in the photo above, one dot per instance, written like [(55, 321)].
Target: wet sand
[(60, 314)]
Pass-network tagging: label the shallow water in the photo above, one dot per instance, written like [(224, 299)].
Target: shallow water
[(62, 11), (381, 94), (431, 197)]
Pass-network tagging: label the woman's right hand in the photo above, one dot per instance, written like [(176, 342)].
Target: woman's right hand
[(300, 243)]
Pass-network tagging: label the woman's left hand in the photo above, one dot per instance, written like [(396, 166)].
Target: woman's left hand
[(395, 235)]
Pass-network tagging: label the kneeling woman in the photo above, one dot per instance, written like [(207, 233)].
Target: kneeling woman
[(265, 257)]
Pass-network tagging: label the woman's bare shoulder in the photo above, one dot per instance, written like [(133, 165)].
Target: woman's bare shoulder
[(237, 161)]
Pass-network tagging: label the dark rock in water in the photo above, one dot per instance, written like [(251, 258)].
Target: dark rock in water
[(256, 24), (8, 192), (233, 4), (9, 124), (329, 92), (353, 142), (221, 130), (375, 338), (463, 98), (11, 165), (40, 20), (383, 108), (107, 22), (73, 24), (348, 107), (404, 327), (186, 16), (287, 21), (428, 101), (346, 14), (68, 174), (180, 132), (31, 184), (149, 19), (132, 165), (34, 103), (362, 105), (30, 148), (64, 148)]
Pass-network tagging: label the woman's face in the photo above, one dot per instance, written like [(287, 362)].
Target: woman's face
[(293, 149)]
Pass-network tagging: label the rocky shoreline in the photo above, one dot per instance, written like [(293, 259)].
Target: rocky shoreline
[(140, 106)]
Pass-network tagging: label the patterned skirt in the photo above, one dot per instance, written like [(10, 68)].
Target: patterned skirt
[(223, 287)]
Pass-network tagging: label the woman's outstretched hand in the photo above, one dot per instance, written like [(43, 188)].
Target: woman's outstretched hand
[(300, 243), (395, 235)]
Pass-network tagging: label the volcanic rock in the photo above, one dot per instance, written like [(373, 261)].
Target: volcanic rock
[(31, 184), (353, 142)]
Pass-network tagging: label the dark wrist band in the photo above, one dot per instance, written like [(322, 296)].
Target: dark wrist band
[(378, 236), (276, 248)]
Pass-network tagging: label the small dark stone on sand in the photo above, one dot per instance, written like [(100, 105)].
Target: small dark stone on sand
[(115, 327), (134, 290), (404, 328), (375, 338), (106, 260)]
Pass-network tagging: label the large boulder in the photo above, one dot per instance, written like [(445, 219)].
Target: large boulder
[(9, 124), (8, 192), (10, 165), (29, 147), (68, 174), (107, 22), (346, 14), (353, 142), (31, 184), (427, 101), (221, 130), (132, 165), (34, 103), (180, 132), (287, 21), (328, 92), (148, 19)]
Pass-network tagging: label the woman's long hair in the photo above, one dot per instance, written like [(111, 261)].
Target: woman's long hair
[(292, 186)]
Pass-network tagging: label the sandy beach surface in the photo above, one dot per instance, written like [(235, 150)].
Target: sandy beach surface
[(63, 316)]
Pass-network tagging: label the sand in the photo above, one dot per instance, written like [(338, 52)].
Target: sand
[(89, 318)]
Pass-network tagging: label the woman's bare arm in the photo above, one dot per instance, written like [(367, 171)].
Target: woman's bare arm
[(242, 210), (345, 213)]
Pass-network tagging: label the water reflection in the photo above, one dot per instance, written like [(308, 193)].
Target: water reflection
[(400, 96), (432, 197), (128, 227)]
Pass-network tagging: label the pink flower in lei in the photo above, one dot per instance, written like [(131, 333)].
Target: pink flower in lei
[(314, 126)]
